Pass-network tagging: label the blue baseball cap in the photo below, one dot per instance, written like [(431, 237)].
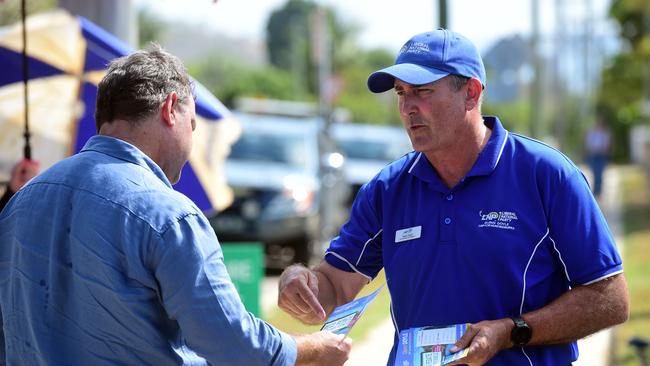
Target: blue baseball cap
[(430, 56)]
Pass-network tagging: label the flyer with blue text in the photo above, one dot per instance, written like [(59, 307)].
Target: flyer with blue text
[(345, 316), (429, 346)]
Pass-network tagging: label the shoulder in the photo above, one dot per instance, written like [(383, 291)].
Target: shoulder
[(543, 160), (120, 188), (394, 172)]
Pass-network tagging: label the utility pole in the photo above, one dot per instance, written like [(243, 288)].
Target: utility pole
[(559, 92), (321, 55), (442, 14), (535, 120), (588, 62)]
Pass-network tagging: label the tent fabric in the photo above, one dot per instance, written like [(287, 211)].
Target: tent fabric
[(67, 58)]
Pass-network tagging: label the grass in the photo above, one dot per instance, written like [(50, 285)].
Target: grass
[(377, 312), (636, 262)]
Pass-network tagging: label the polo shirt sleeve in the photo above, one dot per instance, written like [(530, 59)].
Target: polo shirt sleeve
[(196, 291), (358, 246), (578, 229)]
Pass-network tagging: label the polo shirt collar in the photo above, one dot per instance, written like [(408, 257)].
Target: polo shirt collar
[(123, 150), (485, 164)]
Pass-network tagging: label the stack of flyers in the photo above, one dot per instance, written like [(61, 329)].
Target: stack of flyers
[(429, 346), (345, 316)]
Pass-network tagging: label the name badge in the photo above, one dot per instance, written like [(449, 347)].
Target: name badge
[(408, 234)]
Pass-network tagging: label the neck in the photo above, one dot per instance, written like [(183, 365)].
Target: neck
[(139, 136), (456, 160)]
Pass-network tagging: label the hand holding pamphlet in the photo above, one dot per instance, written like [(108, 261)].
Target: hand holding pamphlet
[(429, 346), (345, 316)]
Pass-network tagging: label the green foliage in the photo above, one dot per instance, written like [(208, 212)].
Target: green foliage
[(287, 39), (622, 89), (10, 9), (354, 95), (289, 42), (636, 255), (514, 115), (626, 81), (364, 105), (632, 15), (150, 28), (229, 79)]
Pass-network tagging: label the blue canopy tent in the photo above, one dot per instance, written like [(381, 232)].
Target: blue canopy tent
[(67, 58)]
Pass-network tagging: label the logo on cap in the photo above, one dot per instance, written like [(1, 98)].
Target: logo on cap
[(419, 48)]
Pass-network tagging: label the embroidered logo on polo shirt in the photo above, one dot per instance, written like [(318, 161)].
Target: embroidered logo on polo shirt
[(408, 234), (498, 219)]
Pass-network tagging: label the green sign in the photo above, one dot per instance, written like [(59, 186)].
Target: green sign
[(245, 264)]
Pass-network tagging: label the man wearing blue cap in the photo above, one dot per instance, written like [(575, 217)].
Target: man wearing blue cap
[(477, 225)]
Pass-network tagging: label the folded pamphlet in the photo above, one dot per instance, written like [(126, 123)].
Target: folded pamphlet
[(345, 316), (429, 346)]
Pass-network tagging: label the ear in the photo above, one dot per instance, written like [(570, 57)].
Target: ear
[(168, 112), (474, 91)]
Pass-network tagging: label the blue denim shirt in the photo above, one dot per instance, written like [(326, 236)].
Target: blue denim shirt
[(102, 262)]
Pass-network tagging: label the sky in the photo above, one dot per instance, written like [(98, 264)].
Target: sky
[(387, 24)]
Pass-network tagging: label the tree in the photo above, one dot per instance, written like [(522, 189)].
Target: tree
[(229, 79), (150, 28), (363, 105), (625, 84), (289, 42)]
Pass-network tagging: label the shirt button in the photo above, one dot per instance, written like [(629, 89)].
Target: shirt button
[(450, 197), (447, 220)]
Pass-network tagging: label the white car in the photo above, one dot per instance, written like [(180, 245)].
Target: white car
[(367, 149)]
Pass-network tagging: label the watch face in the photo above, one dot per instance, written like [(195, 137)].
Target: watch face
[(521, 333)]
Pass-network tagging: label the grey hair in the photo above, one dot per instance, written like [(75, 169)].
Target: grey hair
[(135, 85), (457, 82)]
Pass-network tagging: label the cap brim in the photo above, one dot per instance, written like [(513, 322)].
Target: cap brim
[(384, 79)]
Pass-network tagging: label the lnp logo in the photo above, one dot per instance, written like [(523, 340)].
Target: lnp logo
[(419, 48), (498, 219)]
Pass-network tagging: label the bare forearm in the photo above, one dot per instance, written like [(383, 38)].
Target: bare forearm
[(574, 315), (580, 312), (322, 348), (328, 295)]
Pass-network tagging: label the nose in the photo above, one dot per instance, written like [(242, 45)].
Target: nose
[(407, 105)]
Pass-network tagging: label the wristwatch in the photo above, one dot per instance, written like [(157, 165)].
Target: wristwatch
[(521, 333)]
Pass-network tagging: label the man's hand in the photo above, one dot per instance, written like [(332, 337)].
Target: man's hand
[(298, 295), (22, 173), (484, 340), (322, 348)]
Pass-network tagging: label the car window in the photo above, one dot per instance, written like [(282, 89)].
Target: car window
[(368, 150), (262, 146)]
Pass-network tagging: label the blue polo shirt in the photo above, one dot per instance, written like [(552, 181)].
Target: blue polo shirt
[(519, 230)]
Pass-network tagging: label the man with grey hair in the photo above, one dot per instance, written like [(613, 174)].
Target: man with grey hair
[(477, 225), (102, 262)]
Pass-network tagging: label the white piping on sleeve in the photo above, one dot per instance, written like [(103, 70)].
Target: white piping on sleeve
[(415, 162), (366, 244), (566, 271), (523, 293), (349, 264), (602, 278)]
